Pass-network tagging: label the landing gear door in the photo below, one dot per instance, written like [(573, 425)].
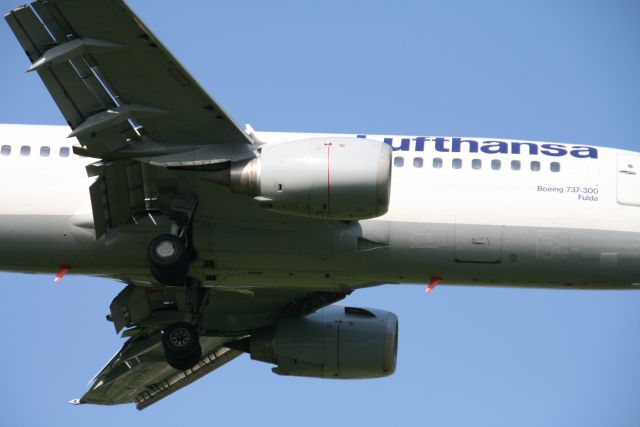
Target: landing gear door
[(478, 238), (628, 171)]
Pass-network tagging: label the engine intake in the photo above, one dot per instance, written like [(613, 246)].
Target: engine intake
[(335, 342), (334, 178)]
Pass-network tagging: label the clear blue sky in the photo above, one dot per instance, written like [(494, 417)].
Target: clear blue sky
[(551, 70)]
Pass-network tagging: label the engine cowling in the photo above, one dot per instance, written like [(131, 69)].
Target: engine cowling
[(334, 178), (335, 342)]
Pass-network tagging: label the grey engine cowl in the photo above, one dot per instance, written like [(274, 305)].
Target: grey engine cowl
[(335, 342), (334, 178)]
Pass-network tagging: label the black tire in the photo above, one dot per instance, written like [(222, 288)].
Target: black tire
[(175, 278), (168, 260), (167, 253), (183, 363), (180, 339)]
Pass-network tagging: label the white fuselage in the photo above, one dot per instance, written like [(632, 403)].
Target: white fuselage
[(468, 211)]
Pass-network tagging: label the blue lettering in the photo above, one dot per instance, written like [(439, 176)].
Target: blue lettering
[(555, 150), (582, 152), (440, 145), (420, 143), (494, 147), (456, 143), (404, 144), (515, 147)]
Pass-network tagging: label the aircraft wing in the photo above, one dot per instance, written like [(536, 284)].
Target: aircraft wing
[(128, 101), (139, 373), (113, 80)]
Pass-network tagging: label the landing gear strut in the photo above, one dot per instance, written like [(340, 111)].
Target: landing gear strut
[(169, 255), (181, 344), (168, 259)]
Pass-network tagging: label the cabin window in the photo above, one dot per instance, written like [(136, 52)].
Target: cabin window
[(476, 164), (515, 165), (5, 150), (64, 152), (398, 162), (437, 163), (456, 163), (535, 166), (417, 162), (45, 151), (25, 150), (495, 164), (555, 167)]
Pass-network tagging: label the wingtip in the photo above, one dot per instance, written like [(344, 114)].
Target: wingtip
[(15, 9)]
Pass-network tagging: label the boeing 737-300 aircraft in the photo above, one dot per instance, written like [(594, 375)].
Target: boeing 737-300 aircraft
[(231, 240)]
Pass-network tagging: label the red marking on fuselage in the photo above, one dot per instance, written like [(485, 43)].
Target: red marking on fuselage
[(433, 283), (61, 272)]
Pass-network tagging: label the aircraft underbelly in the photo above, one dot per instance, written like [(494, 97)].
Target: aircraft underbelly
[(340, 256), (377, 252), (245, 246)]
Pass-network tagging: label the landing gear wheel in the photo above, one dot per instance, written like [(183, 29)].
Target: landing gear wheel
[(180, 338), (185, 363), (173, 278), (168, 259), (181, 344)]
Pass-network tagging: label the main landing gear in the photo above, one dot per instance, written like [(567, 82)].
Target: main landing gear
[(169, 255), (181, 344), (168, 259)]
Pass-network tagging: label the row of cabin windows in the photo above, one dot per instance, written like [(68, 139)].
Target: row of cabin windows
[(496, 164), (25, 150)]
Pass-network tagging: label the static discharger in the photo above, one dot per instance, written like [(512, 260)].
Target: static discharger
[(435, 281), (61, 272)]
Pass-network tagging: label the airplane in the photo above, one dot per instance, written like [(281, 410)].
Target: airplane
[(235, 241)]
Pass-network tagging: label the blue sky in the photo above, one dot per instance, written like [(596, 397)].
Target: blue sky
[(543, 70)]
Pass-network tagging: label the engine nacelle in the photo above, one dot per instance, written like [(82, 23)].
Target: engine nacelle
[(335, 342), (335, 178)]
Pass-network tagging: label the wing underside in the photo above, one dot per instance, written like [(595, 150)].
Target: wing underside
[(113, 79), (139, 373), (128, 101)]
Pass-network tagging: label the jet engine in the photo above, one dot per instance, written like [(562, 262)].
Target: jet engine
[(335, 342), (334, 178)]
